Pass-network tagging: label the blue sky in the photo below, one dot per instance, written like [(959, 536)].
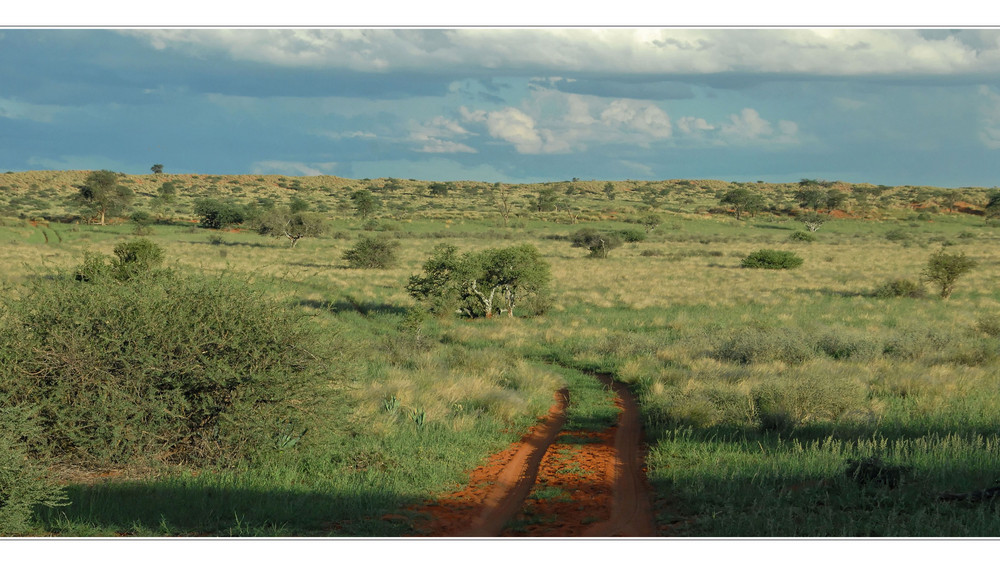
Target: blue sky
[(888, 106)]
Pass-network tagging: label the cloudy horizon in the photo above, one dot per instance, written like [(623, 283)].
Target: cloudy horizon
[(886, 106)]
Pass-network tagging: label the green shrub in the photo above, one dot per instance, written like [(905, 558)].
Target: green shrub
[(944, 269), (168, 367), (372, 253), (897, 235), (806, 396), (772, 259), (754, 345), (900, 288), (598, 243), (631, 235), (800, 236), (23, 483), (989, 324)]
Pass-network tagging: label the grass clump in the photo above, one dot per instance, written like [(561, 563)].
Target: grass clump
[(772, 259), (900, 288), (800, 236)]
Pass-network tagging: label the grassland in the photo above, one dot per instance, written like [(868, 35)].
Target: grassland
[(759, 388)]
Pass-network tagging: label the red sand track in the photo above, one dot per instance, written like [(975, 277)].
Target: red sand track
[(588, 484)]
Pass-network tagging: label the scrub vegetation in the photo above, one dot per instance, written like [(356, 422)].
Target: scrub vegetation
[(278, 356)]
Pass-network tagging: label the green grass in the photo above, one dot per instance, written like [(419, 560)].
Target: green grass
[(756, 387)]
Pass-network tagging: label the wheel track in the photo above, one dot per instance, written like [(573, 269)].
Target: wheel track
[(513, 474)]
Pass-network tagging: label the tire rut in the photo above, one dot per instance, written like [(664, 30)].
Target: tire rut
[(613, 501)]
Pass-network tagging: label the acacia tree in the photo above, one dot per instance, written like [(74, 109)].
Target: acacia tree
[(102, 195), (365, 203), (480, 284), (501, 198), (283, 222), (743, 201), (812, 220), (157, 168), (944, 269)]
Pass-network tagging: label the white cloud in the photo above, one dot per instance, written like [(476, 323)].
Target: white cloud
[(692, 125), (433, 136), (553, 51), (292, 168), (349, 135), (747, 125), (639, 116), (16, 110)]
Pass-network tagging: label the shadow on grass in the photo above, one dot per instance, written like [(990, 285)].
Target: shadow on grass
[(365, 308), (192, 507), (774, 227)]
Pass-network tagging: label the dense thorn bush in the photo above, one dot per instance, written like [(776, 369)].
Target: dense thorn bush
[(154, 367), (772, 259)]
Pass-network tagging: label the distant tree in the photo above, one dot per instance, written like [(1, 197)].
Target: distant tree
[(811, 196), (365, 203), (217, 215), (102, 195), (944, 269), (283, 222), (813, 220), (546, 200), (157, 168), (650, 221), (949, 198), (609, 190), (438, 189), (743, 201), (503, 200), (598, 243), (835, 199)]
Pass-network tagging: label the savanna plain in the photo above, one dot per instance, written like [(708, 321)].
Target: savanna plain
[(260, 355)]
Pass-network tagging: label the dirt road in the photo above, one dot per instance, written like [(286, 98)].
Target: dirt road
[(555, 483)]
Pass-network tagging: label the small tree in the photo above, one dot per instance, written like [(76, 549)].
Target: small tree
[(372, 253), (502, 199), (810, 195), (157, 168), (598, 243), (812, 220), (217, 215), (944, 269), (480, 284), (743, 201), (283, 222), (650, 221), (102, 194), (609, 190), (365, 203), (547, 200)]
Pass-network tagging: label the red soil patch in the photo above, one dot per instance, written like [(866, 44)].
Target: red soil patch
[(589, 484)]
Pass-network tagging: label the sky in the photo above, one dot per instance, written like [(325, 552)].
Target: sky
[(892, 106)]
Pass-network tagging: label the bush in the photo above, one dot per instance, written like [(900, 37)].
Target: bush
[(944, 269), (153, 368), (484, 283), (772, 259), (598, 243), (631, 235), (900, 288), (806, 396), (800, 236), (372, 253), (23, 483), (897, 235), (755, 345), (218, 215)]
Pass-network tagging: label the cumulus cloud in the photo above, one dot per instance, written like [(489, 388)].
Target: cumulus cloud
[(434, 136), (650, 51), (644, 117)]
